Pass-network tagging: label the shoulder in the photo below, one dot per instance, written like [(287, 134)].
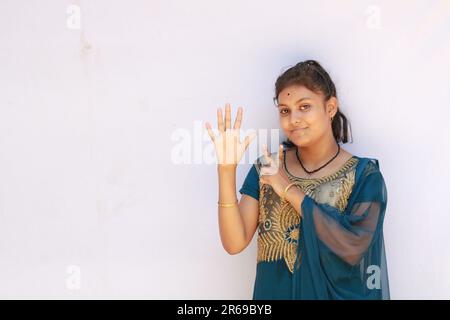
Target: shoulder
[(370, 180), (368, 166)]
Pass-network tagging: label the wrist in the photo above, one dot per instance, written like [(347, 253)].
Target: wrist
[(288, 186), (226, 167), (294, 194)]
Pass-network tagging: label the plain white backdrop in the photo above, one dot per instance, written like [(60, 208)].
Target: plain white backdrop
[(96, 95)]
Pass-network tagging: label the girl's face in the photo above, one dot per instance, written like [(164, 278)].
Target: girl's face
[(304, 115)]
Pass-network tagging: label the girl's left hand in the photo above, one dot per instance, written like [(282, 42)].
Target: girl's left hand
[(272, 174)]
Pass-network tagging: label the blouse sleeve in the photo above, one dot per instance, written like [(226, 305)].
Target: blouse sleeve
[(348, 234), (251, 183)]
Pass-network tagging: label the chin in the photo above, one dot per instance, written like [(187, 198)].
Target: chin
[(299, 142)]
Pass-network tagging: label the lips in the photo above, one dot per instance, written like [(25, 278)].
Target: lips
[(298, 130)]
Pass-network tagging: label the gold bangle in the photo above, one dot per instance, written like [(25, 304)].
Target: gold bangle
[(227, 205), (283, 197)]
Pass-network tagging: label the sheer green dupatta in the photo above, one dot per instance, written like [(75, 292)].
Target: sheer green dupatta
[(345, 249)]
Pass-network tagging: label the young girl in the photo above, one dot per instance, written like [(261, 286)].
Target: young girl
[(318, 209)]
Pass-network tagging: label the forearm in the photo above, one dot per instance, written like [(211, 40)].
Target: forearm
[(295, 197), (231, 226)]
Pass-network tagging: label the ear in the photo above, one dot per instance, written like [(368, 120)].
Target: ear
[(332, 106)]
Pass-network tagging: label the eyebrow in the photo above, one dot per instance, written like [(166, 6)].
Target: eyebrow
[(300, 100)]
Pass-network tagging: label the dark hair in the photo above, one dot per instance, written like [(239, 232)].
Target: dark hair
[(311, 75)]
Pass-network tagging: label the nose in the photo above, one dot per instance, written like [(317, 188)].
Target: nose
[(295, 118)]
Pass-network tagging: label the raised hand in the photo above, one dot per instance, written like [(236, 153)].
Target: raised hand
[(271, 172), (271, 166), (229, 148)]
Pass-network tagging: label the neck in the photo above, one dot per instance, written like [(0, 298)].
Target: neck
[(318, 154)]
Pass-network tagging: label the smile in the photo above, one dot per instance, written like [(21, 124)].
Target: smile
[(298, 130)]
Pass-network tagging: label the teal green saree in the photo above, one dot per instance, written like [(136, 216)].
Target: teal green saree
[(336, 251)]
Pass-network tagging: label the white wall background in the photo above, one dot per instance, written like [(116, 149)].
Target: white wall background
[(88, 116)]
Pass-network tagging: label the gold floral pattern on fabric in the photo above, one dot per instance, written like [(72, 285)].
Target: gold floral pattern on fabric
[(279, 222)]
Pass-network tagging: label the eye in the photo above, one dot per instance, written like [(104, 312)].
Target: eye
[(284, 111), (307, 106)]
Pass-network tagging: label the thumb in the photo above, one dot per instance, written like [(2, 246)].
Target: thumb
[(248, 139), (281, 153)]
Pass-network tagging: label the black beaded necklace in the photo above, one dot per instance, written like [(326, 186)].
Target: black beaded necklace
[(311, 172)]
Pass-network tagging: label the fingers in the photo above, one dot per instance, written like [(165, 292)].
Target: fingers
[(266, 155), (210, 132), (248, 139), (237, 122), (220, 123), (262, 180), (227, 116), (281, 153), (227, 124)]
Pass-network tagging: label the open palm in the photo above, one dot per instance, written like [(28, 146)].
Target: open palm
[(229, 148)]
